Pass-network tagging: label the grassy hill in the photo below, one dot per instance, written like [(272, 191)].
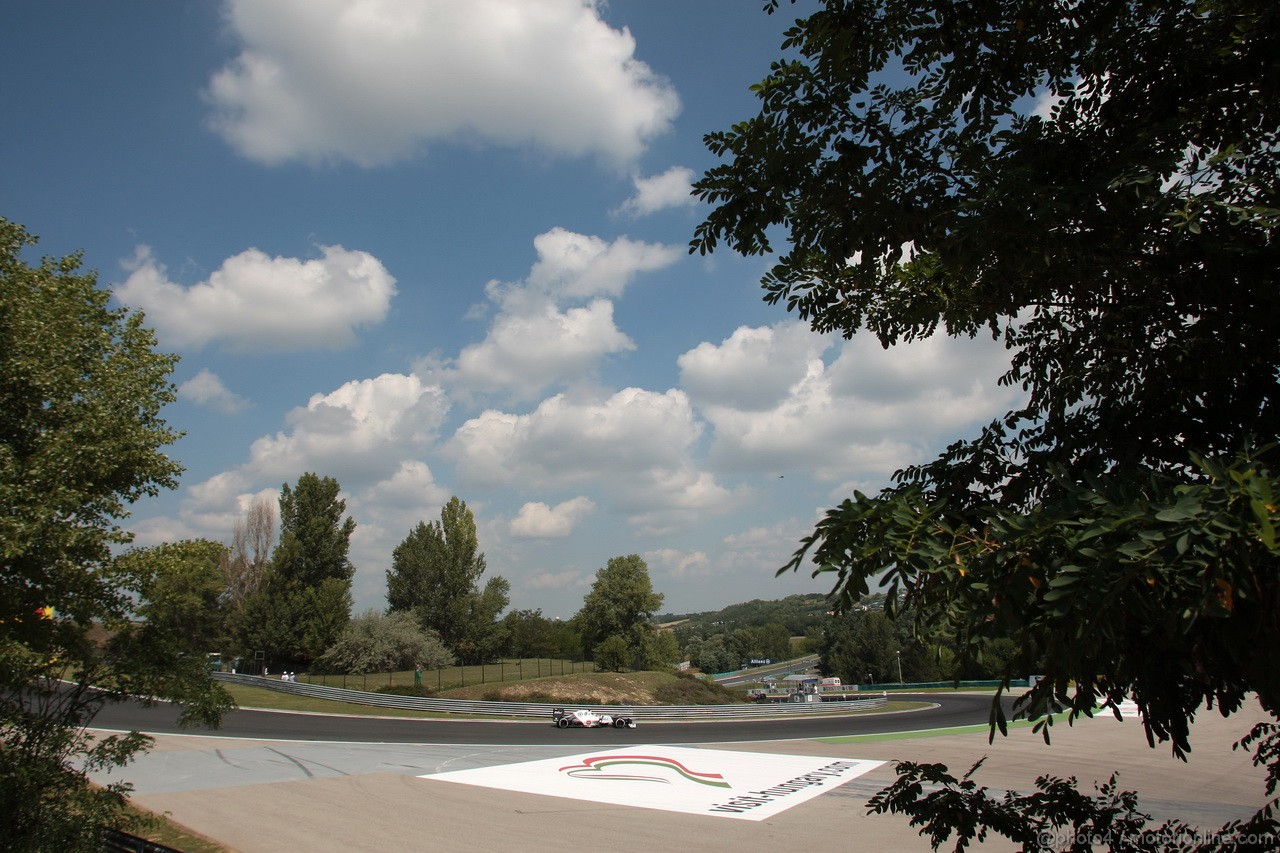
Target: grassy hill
[(796, 612)]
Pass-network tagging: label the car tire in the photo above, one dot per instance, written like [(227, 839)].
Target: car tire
[(619, 723), (563, 722)]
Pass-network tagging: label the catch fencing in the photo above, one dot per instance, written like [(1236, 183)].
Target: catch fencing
[(543, 710)]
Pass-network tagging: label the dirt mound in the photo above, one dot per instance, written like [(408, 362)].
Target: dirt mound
[(594, 691), (602, 688)]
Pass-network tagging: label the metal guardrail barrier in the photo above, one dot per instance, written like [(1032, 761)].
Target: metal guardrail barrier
[(543, 711)]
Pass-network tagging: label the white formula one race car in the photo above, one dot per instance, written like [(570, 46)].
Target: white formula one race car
[(588, 720)]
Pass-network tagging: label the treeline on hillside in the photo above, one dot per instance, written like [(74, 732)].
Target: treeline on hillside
[(796, 613), (863, 645)]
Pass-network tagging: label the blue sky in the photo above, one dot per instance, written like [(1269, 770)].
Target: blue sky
[(437, 248)]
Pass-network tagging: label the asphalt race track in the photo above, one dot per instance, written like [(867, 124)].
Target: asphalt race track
[(946, 711), (275, 781)]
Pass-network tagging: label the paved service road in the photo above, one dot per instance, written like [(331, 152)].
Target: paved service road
[(945, 711)]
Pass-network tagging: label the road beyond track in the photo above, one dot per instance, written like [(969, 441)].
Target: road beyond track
[(292, 782)]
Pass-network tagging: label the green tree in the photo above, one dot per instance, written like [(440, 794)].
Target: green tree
[(621, 603), (566, 639), (1119, 528), (303, 599), (435, 574), (859, 644), (269, 623), (323, 611), (81, 439), (712, 655), (660, 651), (310, 566), (373, 642), (183, 591), (314, 537), (529, 634), (770, 640), (485, 635), (811, 643), (614, 654)]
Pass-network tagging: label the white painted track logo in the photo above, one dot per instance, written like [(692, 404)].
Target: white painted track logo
[(712, 782)]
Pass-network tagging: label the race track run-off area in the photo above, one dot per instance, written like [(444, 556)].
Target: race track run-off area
[(273, 781)]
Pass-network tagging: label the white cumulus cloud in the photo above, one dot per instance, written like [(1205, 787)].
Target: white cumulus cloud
[(566, 440), (537, 520), (527, 352), (660, 192), (257, 303), (359, 432), (373, 81), (581, 266), (776, 405), (635, 448), (678, 564), (556, 325), (752, 369), (207, 389)]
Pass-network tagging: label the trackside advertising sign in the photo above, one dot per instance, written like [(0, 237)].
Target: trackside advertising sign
[(717, 783)]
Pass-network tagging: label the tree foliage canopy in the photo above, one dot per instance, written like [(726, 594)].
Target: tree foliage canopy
[(435, 573), (314, 537), (529, 634), (295, 607), (1095, 184), (81, 389), (1121, 239), (183, 591), (81, 438), (373, 642), (621, 603)]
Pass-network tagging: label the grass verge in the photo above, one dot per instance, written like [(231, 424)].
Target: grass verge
[(915, 735), (261, 697), (632, 688), (159, 829)]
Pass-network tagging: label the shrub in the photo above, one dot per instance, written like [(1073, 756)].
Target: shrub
[(419, 690)]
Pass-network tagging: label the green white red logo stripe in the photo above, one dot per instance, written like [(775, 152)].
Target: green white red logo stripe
[(602, 767)]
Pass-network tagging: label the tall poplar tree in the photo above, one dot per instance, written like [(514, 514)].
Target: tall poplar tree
[(305, 601), (435, 574), (314, 537)]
